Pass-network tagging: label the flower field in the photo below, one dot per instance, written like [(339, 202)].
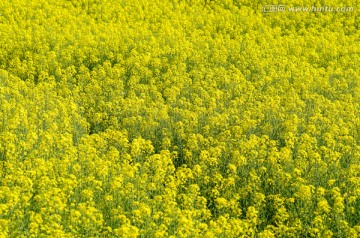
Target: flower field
[(178, 118)]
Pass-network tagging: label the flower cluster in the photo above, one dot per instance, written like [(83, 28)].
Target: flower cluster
[(198, 118)]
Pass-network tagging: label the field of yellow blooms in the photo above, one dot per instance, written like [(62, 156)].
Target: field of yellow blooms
[(178, 118)]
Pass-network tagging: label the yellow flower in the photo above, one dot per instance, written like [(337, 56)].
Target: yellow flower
[(331, 182), (221, 202), (127, 231), (304, 192), (109, 198)]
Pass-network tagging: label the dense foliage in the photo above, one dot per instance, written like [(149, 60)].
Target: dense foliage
[(172, 118)]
